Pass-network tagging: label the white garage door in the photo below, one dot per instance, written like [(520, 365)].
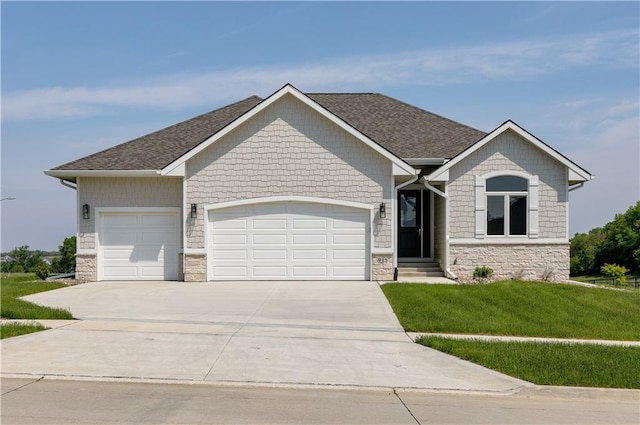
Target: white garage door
[(289, 241), (138, 246)]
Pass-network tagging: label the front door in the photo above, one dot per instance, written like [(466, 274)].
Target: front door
[(409, 223), (414, 224)]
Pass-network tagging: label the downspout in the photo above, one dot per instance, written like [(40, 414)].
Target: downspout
[(395, 221), (68, 184), (438, 192)]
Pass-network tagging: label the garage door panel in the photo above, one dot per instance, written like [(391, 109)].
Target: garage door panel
[(117, 237), (138, 246), (120, 220), (270, 223), (230, 239), (269, 271), (288, 240), (348, 239), (317, 224), (229, 254), (269, 254), (307, 272), (310, 239), (230, 223), (230, 272), (310, 254)]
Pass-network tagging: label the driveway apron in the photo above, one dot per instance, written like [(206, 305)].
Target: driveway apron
[(317, 333)]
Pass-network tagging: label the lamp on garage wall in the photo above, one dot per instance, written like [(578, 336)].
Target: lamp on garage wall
[(194, 210), (85, 211), (383, 210)]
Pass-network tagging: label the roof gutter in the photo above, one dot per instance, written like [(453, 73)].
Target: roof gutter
[(576, 186), (425, 161), (67, 174), (68, 184)]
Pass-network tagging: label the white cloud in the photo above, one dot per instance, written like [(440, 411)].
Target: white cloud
[(499, 61)]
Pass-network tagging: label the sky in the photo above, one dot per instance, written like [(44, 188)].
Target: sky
[(79, 77)]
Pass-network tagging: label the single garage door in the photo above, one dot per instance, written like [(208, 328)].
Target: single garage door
[(289, 241), (138, 246)]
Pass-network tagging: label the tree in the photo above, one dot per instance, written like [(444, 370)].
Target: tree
[(67, 251), (583, 252), (621, 244), (25, 258)]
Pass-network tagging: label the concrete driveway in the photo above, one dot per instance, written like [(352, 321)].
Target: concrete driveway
[(319, 333)]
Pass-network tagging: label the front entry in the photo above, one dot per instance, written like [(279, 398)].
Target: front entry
[(414, 224)]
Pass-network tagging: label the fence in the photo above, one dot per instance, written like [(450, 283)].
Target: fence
[(633, 282)]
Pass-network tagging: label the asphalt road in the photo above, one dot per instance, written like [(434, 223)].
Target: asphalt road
[(57, 401)]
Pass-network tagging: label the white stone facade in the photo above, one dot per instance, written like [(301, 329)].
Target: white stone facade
[(512, 261)]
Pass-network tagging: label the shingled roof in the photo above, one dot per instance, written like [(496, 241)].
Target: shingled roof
[(404, 130)]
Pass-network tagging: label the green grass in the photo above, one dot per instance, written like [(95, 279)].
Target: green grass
[(517, 308), (550, 364), (7, 330), (18, 285)]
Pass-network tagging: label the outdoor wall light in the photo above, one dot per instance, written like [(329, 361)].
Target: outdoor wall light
[(85, 211), (194, 210), (383, 210)]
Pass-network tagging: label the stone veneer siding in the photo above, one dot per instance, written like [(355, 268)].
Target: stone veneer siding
[(508, 261), (86, 268), (195, 267), (288, 149), (382, 267)]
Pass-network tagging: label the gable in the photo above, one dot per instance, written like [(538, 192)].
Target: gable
[(575, 173), (400, 167)]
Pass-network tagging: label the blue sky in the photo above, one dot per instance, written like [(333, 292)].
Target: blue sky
[(78, 77)]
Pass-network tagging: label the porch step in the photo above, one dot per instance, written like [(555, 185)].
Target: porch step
[(419, 269)]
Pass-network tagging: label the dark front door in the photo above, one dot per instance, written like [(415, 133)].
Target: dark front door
[(409, 223)]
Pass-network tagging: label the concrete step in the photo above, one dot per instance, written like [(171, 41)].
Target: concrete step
[(405, 273), (418, 264), (420, 269)]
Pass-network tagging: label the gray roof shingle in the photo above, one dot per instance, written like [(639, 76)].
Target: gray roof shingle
[(404, 130)]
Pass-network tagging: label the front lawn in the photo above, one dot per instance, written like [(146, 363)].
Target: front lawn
[(550, 364), (9, 329), (19, 285), (517, 308)]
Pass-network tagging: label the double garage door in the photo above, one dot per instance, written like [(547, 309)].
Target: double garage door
[(138, 245), (288, 241)]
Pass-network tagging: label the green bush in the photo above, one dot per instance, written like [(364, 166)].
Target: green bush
[(482, 273), (41, 270), (615, 272)]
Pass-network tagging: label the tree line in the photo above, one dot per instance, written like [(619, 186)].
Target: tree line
[(23, 260), (617, 242)]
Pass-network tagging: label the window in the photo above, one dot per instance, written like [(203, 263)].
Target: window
[(506, 206)]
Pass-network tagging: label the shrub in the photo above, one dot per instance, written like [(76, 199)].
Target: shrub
[(41, 270), (615, 272), (482, 273)]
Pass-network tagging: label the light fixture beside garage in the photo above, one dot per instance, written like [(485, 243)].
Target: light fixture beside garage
[(194, 210), (85, 211), (383, 210)]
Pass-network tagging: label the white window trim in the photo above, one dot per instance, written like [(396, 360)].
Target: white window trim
[(506, 196), (481, 205)]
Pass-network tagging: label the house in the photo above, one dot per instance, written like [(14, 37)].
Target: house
[(322, 186)]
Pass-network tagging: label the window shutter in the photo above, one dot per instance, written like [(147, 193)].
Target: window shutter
[(533, 207), (481, 219)]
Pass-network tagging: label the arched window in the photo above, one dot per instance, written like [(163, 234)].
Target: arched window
[(507, 206)]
